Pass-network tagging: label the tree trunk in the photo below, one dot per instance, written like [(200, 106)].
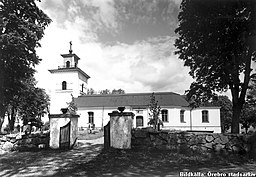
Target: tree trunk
[(246, 130), (2, 115), (12, 119), (237, 107), (2, 106)]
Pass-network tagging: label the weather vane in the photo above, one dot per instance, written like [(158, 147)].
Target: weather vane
[(70, 45)]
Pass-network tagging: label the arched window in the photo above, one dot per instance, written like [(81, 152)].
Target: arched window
[(182, 116), (91, 117), (164, 113), (68, 64), (64, 85), (205, 116)]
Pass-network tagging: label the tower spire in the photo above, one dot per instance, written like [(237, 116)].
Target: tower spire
[(70, 47)]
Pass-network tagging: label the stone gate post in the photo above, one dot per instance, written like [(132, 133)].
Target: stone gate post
[(120, 129), (59, 120)]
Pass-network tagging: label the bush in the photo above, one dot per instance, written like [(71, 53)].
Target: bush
[(46, 126), (7, 129)]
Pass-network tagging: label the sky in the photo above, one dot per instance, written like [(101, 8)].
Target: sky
[(127, 44)]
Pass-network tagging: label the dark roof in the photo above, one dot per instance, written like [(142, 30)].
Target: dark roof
[(70, 55), (69, 69), (131, 99)]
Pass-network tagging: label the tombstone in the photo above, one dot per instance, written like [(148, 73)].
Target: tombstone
[(120, 129), (63, 130)]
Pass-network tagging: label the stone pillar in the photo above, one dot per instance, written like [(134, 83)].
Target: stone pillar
[(60, 120), (120, 129)]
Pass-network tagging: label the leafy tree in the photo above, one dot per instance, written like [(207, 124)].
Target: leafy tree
[(225, 111), (217, 41), (251, 94), (154, 109), (33, 104), (30, 100), (114, 91), (91, 91), (105, 92), (248, 114), (248, 117), (22, 26), (118, 91)]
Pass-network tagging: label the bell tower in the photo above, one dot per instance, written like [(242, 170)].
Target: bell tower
[(68, 80)]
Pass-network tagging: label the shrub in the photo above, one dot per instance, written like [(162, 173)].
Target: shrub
[(46, 126)]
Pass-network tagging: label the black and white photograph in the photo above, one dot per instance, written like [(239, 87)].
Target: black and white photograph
[(161, 88)]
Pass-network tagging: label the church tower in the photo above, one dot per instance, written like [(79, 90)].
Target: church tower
[(69, 80)]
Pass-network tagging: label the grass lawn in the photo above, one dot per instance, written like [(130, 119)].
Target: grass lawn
[(84, 135)]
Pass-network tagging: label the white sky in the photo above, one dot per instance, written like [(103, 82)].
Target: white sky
[(122, 44)]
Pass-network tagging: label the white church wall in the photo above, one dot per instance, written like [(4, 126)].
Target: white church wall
[(101, 117), (60, 98), (192, 119), (174, 121), (59, 101), (143, 113), (214, 119), (70, 78)]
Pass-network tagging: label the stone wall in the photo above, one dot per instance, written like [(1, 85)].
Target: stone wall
[(195, 142), (17, 142)]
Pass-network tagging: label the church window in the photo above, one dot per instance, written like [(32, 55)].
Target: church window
[(139, 121), (205, 116), (164, 115), (64, 85), (91, 117), (182, 116), (68, 64)]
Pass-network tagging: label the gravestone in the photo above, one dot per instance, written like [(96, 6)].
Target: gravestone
[(120, 129)]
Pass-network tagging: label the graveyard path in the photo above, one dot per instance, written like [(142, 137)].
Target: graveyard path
[(49, 162), (90, 159)]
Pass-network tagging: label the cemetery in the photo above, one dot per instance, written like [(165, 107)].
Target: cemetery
[(53, 123), (143, 151)]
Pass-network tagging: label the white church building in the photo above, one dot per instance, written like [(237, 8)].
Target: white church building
[(175, 111)]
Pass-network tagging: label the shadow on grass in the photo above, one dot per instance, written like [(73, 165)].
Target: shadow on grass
[(46, 162), (154, 163), (91, 160)]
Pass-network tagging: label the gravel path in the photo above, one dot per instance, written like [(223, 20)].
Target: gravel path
[(85, 143), (49, 162)]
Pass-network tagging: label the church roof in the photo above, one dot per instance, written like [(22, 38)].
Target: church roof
[(73, 69), (70, 55), (139, 100)]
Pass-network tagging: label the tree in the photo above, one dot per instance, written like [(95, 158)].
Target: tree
[(248, 114), (118, 91), (22, 26), (114, 91), (154, 109), (105, 92), (33, 103), (91, 91), (248, 117), (217, 41), (251, 95), (225, 111)]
